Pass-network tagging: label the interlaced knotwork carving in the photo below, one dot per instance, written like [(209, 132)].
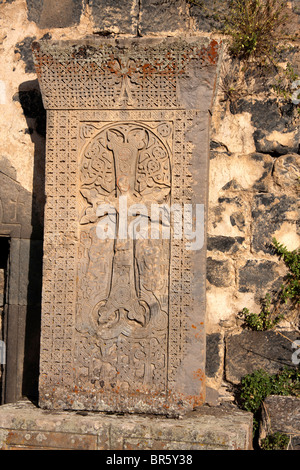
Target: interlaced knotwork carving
[(109, 77)]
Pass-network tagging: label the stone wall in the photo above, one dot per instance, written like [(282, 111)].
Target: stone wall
[(254, 167)]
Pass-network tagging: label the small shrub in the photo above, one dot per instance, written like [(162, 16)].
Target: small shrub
[(286, 382), (257, 386), (287, 86), (253, 26), (268, 317), (232, 85), (291, 290), (283, 84), (275, 441), (265, 319)]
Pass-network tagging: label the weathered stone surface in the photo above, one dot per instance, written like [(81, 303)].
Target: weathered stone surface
[(239, 172), (278, 142), (234, 132), (287, 171), (256, 276), (22, 426), (270, 214), (274, 131), (257, 167), (265, 162), (53, 14), (208, 15), (264, 114), (228, 217), (118, 16), (252, 350), (37, 440), (25, 285), (163, 15), (23, 48), (213, 357), (18, 218), (281, 414), (296, 6), (227, 244), (219, 272), (129, 311), (220, 304)]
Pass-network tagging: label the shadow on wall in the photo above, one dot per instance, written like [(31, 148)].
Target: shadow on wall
[(31, 101), (22, 221)]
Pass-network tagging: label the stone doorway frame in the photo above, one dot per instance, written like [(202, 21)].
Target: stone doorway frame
[(22, 293)]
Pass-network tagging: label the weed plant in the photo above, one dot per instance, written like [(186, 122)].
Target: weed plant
[(254, 26)]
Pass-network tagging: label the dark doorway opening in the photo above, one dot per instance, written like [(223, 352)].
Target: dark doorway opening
[(4, 256)]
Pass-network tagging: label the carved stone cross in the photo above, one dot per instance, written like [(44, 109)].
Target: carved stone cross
[(123, 320)]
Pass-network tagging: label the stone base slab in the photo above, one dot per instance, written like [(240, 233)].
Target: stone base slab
[(23, 426), (281, 414)]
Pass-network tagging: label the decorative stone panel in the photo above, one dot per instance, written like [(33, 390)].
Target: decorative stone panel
[(123, 320)]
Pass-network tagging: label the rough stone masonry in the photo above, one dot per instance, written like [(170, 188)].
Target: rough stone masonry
[(123, 318)]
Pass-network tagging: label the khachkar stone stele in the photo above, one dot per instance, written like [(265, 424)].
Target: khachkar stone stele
[(123, 314)]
